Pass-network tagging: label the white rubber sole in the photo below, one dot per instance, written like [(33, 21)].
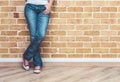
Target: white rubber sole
[(26, 67), (37, 71)]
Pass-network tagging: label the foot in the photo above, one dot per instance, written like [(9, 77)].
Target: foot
[(26, 64), (37, 69)]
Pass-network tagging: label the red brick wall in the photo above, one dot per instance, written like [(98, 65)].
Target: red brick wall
[(78, 28)]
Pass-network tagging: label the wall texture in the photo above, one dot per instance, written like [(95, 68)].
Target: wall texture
[(77, 29)]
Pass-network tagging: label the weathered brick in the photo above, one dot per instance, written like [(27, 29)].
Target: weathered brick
[(91, 9), (109, 9), (92, 55), (83, 50), (58, 55)]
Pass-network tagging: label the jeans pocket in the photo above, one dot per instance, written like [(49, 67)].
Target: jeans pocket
[(31, 6)]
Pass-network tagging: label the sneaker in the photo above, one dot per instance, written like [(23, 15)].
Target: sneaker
[(37, 69), (26, 64)]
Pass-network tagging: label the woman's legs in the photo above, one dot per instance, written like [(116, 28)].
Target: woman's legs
[(31, 17), (38, 23), (42, 24)]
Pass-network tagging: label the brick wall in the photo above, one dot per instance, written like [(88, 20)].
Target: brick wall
[(77, 29)]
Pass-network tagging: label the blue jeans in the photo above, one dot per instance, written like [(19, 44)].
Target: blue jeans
[(37, 23)]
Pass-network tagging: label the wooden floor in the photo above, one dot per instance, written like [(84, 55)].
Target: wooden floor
[(61, 74)]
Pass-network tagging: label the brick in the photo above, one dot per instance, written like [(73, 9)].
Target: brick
[(58, 33), (100, 27), (74, 33), (8, 21), (114, 38), (115, 50), (66, 27), (83, 39), (51, 38), (3, 50), (8, 9), (70, 38), (49, 50), (17, 50), (17, 27), (67, 50), (109, 55), (91, 21), (20, 8), (8, 44), (4, 27), (100, 50), (103, 38), (66, 3), (91, 33), (75, 9), (91, 9), (5, 9), (9, 33), (119, 56), (54, 15), (83, 15), (101, 15), (21, 15), (17, 3), (58, 55), (75, 55), (16, 15), (115, 27), (118, 21), (23, 33), (83, 50), (12, 9), (83, 3), (3, 15), (119, 33), (108, 45), (58, 44), (109, 9), (74, 44), (18, 39), (83, 27), (21, 21), (100, 3), (92, 55), (108, 21), (46, 44), (59, 9), (67, 15), (109, 33), (22, 43), (114, 3), (58, 21), (3, 39), (51, 27), (96, 44), (74, 21), (9, 55), (114, 15), (4, 3), (45, 55)]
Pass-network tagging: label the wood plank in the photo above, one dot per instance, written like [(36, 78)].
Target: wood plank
[(61, 64), (61, 74)]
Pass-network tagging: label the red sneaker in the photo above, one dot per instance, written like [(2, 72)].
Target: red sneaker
[(37, 69), (26, 64)]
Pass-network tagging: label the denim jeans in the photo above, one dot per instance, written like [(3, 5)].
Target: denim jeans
[(37, 23)]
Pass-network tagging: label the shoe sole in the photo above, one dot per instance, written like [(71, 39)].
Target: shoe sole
[(25, 68)]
